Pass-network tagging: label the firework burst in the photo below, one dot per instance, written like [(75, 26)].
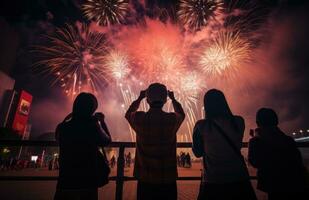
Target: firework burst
[(225, 53), (74, 55), (117, 64), (189, 88), (106, 12), (196, 13)]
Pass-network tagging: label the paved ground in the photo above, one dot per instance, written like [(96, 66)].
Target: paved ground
[(39, 190), (187, 190)]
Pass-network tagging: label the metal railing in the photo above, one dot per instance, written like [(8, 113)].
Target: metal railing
[(119, 178)]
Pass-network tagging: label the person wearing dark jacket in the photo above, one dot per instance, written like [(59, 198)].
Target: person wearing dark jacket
[(155, 163), (79, 136), (280, 169)]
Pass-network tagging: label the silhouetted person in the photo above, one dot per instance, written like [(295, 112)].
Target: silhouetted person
[(13, 163), (218, 139), (178, 160), (182, 159), (1, 162), (79, 136), (188, 160), (280, 169), (113, 161), (155, 161), (50, 164), (128, 159)]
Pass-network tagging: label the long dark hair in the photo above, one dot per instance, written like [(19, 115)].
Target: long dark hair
[(84, 105), (215, 105)]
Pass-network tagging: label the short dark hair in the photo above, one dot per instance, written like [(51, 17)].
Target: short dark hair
[(156, 95), (215, 104), (266, 117), (85, 104)]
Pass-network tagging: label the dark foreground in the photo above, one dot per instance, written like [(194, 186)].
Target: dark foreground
[(44, 190)]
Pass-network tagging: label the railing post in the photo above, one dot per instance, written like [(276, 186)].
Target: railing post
[(120, 172)]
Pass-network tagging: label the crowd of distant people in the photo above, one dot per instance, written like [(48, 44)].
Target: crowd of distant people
[(127, 160), (217, 139), (184, 160), (13, 163)]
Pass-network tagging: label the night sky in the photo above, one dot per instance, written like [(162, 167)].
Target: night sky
[(22, 24)]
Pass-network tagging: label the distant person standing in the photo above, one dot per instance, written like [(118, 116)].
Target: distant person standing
[(80, 135), (113, 161), (1, 162), (280, 170), (188, 160), (178, 160), (155, 161), (128, 159), (183, 159), (50, 164), (218, 139)]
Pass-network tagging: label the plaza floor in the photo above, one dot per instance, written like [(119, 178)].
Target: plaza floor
[(44, 190)]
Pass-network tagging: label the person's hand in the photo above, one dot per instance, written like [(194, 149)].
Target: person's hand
[(142, 95), (99, 116), (171, 95), (251, 133)]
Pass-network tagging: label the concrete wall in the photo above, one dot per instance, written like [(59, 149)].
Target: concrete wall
[(6, 84)]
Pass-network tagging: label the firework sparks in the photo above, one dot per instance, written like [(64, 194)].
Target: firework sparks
[(129, 94), (117, 64), (188, 89), (74, 56), (149, 52), (225, 53), (157, 54), (196, 13), (106, 12), (190, 83)]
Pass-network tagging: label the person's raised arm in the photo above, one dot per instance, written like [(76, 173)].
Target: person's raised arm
[(135, 105), (177, 106), (104, 136), (101, 117)]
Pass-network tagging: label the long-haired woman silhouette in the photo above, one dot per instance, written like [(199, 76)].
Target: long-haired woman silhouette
[(218, 139), (79, 136)]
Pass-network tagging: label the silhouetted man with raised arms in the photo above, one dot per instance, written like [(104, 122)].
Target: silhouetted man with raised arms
[(155, 162)]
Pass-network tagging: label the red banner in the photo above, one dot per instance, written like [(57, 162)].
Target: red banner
[(22, 112)]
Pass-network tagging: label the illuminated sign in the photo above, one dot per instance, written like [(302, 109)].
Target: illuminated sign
[(22, 113)]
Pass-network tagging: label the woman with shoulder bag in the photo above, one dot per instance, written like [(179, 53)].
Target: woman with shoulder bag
[(82, 167), (218, 139)]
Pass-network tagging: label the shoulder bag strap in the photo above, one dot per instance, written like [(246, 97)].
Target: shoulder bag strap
[(230, 142)]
